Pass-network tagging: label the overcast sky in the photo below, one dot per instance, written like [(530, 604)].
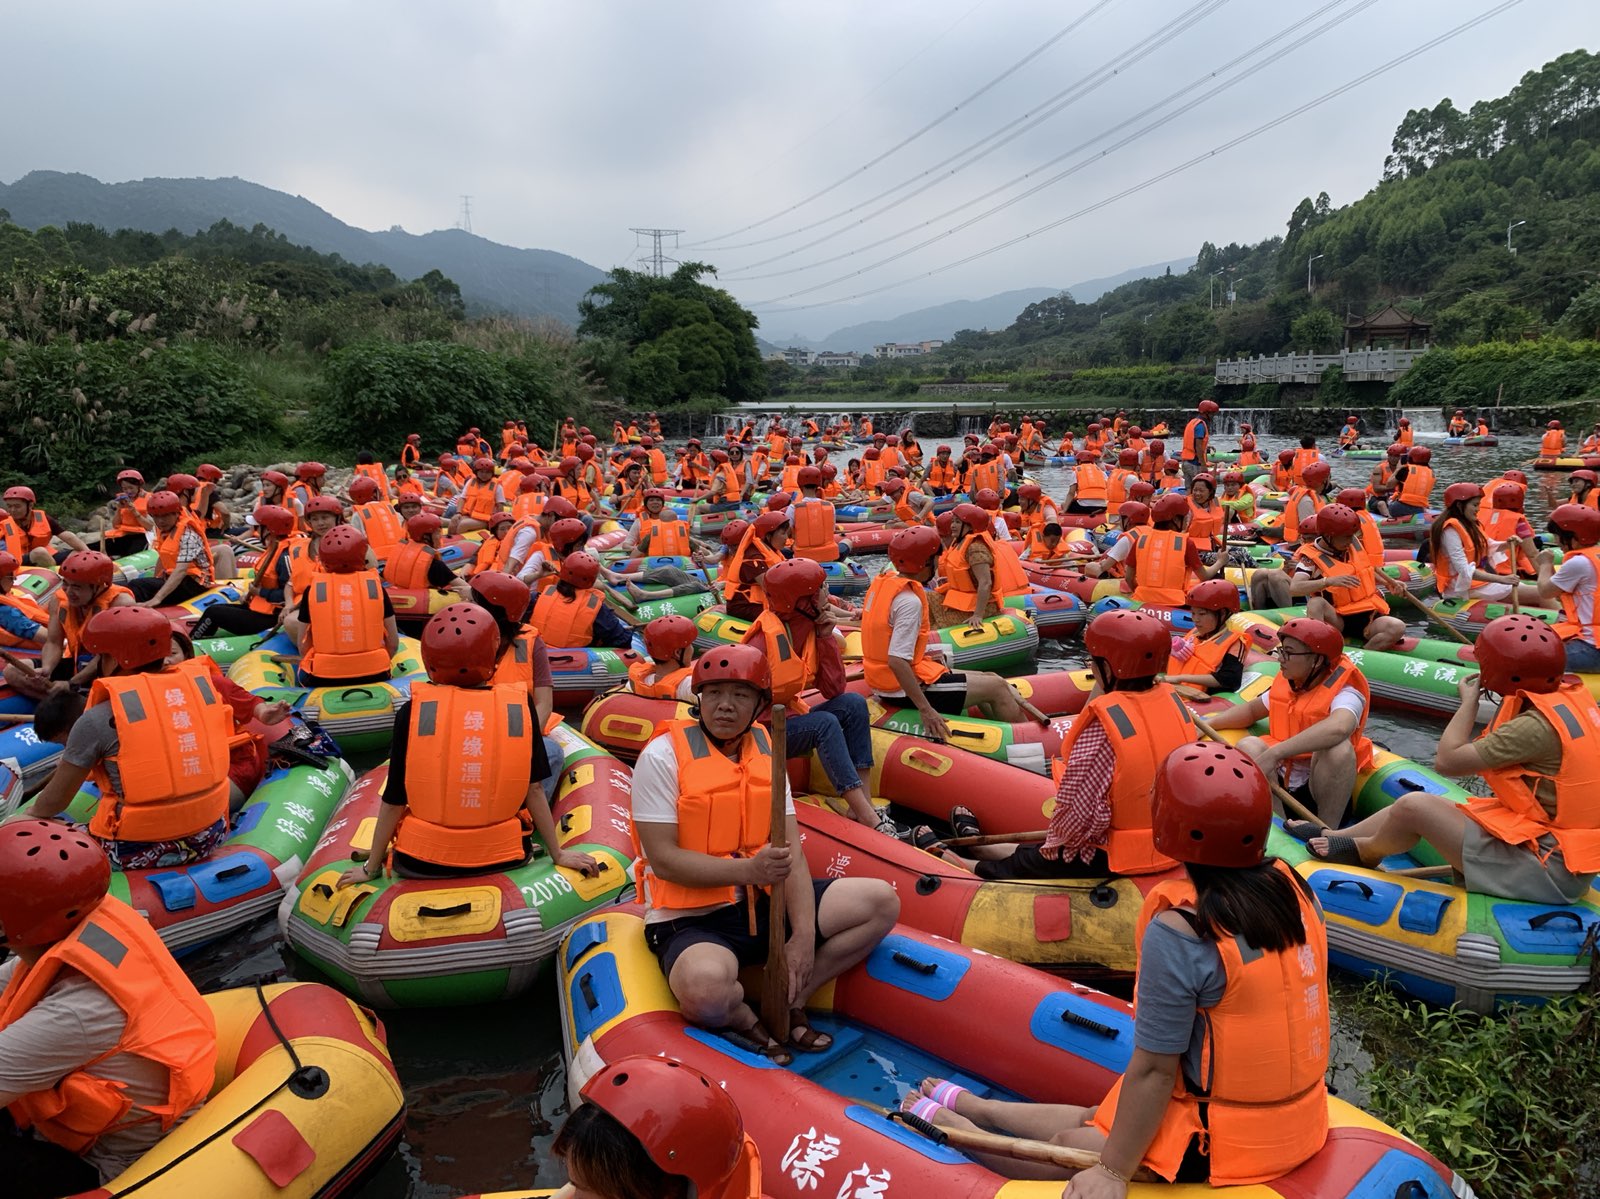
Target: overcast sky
[(569, 122)]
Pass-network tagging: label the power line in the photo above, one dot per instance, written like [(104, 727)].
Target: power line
[(1366, 77), (993, 140), (1225, 85), (656, 259), (931, 125)]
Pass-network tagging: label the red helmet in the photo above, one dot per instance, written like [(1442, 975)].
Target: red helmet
[(733, 664), (1246, 427), (1141, 490), (1396, 450), (1555, 424), (1233, 478), (530, 483), (1208, 408), (1578, 520), (692, 441), (446, 461), (871, 454), (1213, 595), (414, 438), (88, 566), (733, 532), (778, 501), (1337, 520), (570, 463), (310, 470), (580, 569), (362, 490), (1169, 506), (769, 521), (163, 503), (1127, 457), (25, 494), (1315, 635), (893, 439), (1030, 492), (1520, 653), (423, 526), (1458, 492), (829, 471), (791, 582), (1353, 498), (1094, 426), (51, 875), (1515, 476), (1133, 513), (1135, 431), (647, 442), (505, 595), (973, 517), (1316, 475), (124, 476), (8, 563), (1507, 497), (328, 505), (1133, 645), (1585, 476), (276, 477), (943, 522), (1204, 476), (986, 498), (559, 507), (719, 456), (893, 486), (482, 463), (459, 645), (1083, 457), (279, 522), (177, 482), (1420, 454), (912, 549), (1352, 420), (1158, 447), (1212, 806), (583, 451), (1285, 457), (343, 550), (809, 476), (655, 493), (666, 635), (944, 449), (1405, 423), (565, 532), (131, 635)]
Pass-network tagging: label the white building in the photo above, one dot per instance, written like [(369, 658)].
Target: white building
[(830, 358), (905, 349), (795, 356)]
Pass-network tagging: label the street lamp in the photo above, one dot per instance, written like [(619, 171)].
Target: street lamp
[(1212, 292), (1510, 249), (1309, 261)]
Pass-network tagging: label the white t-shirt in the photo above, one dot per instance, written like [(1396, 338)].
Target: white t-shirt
[(905, 631), (1576, 577), (655, 801), (1348, 700), (1121, 549)]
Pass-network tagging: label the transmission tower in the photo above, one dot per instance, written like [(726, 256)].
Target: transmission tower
[(656, 259), (466, 214)]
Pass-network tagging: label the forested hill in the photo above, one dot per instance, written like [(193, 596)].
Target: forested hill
[(493, 277), (1429, 237)]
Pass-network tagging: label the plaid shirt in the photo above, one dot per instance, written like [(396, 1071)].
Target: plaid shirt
[(1082, 815)]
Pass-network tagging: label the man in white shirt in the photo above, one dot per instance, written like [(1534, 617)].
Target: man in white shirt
[(1573, 583)]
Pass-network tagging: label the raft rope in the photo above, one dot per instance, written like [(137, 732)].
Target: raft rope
[(306, 1082)]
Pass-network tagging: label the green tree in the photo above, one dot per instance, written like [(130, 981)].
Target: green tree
[(1316, 330)]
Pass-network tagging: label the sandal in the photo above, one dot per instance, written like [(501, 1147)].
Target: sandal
[(964, 822), (805, 1038), (925, 839), (1341, 851), (1304, 830), (758, 1040)]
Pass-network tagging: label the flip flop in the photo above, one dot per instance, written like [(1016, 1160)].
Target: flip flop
[(964, 822), (1304, 830), (1341, 851), (804, 1037), (924, 838)]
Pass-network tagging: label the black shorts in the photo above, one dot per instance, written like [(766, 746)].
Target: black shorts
[(728, 926), (947, 696), (1027, 862), (1354, 624)]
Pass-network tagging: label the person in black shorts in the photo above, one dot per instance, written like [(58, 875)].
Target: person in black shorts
[(1341, 585)]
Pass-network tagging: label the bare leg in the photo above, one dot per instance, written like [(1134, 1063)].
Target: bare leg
[(1269, 589), (705, 981), (1415, 816), (222, 559), (994, 697), (854, 915), (1385, 633), (1318, 608), (1333, 780)]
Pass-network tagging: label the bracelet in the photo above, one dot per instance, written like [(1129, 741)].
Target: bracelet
[(1122, 1178)]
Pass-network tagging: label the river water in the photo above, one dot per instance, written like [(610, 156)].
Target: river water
[(485, 1087)]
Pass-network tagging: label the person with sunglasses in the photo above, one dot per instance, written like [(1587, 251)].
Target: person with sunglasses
[(1316, 712)]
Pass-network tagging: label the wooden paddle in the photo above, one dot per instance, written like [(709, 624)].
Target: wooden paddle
[(996, 839), (1019, 1148), (775, 982), (1434, 617)]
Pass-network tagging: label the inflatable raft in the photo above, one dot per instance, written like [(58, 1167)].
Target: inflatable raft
[(396, 942), (359, 717), (305, 1104), (921, 1006)]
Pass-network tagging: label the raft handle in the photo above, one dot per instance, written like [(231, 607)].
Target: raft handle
[(365, 692), (1366, 891), (911, 963), (233, 872), (458, 909), (587, 988), (322, 889), (1081, 1021), (927, 884), (1545, 918), (1411, 1188)]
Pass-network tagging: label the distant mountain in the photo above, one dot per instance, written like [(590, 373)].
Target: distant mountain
[(492, 277), (1091, 290)]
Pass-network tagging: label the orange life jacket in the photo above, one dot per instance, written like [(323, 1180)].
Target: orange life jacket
[(1303, 458), (1486, 504), (1371, 540), (1039, 553), (1161, 574), (410, 456), (29, 607), (942, 474), (514, 666), (344, 636), (1406, 436), (72, 621), (467, 774), (876, 633), (269, 577), (1206, 524), (663, 535), (1142, 728), (1065, 449), (658, 466), (1417, 487), (1208, 652), (381, 524), (1552, 444), (872, 473), (1346, 601), (167, 544), (407, 566), (1248, 458), (1515, 815), (750, 548), (1152, 466), (665, 687), (792, 672), (1194, 445), (1291, 510), (1291, 712), (732, 481), (1572, 625), (128, 513), (1090, 485), (1117, 481), (477, 500), (375, 472), (566, 623), (19, 542), (1444, 576), (960, 590), (1348, 436), (814, 535), (172, 754), (529, 504), (1264, 1055), (167, 1023), (986, 474), (724, 809)]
